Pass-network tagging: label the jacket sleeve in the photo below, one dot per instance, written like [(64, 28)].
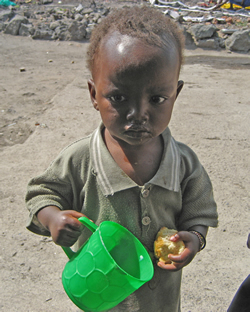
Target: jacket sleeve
[(198, 204), (60, 185)]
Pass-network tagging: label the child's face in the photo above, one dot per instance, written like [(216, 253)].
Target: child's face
[(134, 87)]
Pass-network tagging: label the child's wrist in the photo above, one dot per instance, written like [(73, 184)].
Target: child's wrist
[(201, 237), (46, 215)]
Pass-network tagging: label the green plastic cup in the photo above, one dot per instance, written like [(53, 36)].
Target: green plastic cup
[(110, 266)]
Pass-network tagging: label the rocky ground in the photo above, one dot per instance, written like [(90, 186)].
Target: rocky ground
[(72, 21), (45, 106)]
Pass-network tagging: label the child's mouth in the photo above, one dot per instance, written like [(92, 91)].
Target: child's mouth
[(137, 132), (136, 128)]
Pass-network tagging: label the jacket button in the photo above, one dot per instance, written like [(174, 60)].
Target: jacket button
[(146, 220), (145, 193)]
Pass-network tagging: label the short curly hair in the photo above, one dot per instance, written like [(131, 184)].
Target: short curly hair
[(143, 22)]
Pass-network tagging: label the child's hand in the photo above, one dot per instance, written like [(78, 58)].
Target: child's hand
[(191, 248), (63, 225), (65, 228)]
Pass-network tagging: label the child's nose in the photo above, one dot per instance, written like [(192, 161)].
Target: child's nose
[(138, 114)]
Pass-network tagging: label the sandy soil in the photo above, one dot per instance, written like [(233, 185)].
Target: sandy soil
[(46, 107)]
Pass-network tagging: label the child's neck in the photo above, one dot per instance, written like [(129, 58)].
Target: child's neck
[(139, 162)]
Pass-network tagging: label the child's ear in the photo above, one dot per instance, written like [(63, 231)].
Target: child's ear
[(92, 93), (179, 87)]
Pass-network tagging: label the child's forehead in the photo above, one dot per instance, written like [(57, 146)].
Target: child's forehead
[(119, 41), (133, 51)]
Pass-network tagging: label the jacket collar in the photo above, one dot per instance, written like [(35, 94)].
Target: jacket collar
[(111, 177)]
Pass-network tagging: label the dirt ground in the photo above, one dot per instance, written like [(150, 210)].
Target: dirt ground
[(45, 106)]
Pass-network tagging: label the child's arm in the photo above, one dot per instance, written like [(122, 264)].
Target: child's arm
[(192, 245), (63, 225)]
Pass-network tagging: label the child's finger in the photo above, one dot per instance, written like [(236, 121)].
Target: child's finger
[(72, 221), (75, 225), (67, 241), (181, 257), (76, 214), (72, 233), (182, 235), (170, 267)]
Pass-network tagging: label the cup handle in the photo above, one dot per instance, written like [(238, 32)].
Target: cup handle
[(90, 225)]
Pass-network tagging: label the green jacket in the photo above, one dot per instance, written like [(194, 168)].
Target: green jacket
[(85, 178)]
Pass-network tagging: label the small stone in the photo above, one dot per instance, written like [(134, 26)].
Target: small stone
[(229, 20)]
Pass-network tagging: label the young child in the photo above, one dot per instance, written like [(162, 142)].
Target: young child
[(130, 170)]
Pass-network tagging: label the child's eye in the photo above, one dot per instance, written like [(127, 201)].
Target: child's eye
[(158, 99), (117, 98)]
